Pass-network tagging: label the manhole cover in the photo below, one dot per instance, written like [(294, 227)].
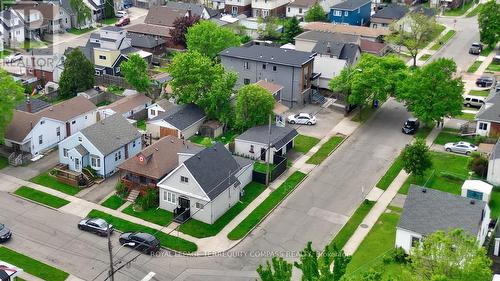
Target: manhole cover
[(364, 225)]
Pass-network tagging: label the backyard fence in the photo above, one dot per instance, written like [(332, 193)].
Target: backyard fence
[(280, 163)]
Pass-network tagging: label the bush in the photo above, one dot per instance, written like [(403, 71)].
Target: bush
[(149, 200), (479, 164), (121, 189), (399, 255)]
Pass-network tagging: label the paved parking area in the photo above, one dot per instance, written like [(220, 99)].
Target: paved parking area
[(327, 119)]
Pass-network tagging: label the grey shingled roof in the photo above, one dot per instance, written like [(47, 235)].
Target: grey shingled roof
[(490, 111), (345, 51), (81, 149), (182, 116), (432, 210), (350, 5), (214, 169), (316, 35), (280, 136), (269, 54), (196, 9), (112, 28), (36, 105), (111, 133), (144, 40), (393, 12)]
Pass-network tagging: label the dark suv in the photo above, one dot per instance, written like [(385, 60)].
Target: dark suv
[(143, 242), (5, 233), (476, 48), (484, 81), (411, 126)]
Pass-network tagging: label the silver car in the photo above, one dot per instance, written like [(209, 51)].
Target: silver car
[(460, 147), (95, 225)]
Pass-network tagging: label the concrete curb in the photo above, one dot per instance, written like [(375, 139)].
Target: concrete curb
[(38, 203)]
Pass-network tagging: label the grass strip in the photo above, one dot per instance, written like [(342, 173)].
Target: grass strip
[(474, 66), (442, 41), (391, 173), (41, 197), (325, 150), (113, 202), (157, 216), (51, 182), (304, 143)]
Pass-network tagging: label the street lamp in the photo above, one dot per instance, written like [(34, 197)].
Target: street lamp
[(130, 244)]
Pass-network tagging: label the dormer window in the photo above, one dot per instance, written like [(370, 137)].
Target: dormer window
[(184, 179)]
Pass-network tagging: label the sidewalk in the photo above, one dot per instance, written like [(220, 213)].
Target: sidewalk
[(427, 50)]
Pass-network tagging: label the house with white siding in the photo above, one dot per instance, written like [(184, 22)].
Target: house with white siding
[(159, 108), (206, 185), (182, 121), (102, 146), (12, 28), (128, 107)]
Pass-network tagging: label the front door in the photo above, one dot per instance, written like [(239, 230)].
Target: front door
[(234, 11), (184, 202), (77, 164), (263, 154)]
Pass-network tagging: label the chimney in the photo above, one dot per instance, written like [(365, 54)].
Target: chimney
[(189, 12), (29, 107)]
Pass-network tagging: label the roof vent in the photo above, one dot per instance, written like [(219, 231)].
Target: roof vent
[(156, 149), (424, 190), (472, 202)]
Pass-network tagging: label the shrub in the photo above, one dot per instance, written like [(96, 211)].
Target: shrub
[(399, 255), (149, 200), (121, 189), (479, 164)]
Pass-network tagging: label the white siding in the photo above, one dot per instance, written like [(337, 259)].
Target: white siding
[(243, 148), (329, 67), (404, 237), (193, 129), (154, 111), (292, 11), (83, 121), (72, 142), (494, 172), (46, 130), (268, 4), (480, 128)]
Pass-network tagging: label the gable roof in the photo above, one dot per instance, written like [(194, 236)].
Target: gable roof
[(490, 111), (145, 40), (49, 11), (182, 116), (164, 104), (372, 47), (214, 169), (269, 54), (428, 210), (303, 3), (150, 29), (111, 133), (21, 125), (164, 16), (128, 103), (347, 29), (280, 136), (393, 12), (350, 5), (36, 105), (159, 159), (196, 9), (319, 35), (342, 51)]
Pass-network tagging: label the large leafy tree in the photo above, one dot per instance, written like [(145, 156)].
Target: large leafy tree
[(315, 13), (181, 26), (109, 9), (11, 93), (415, 33), (77, 76), (268, 29), (431, 92), (217, 101), (278, 270), (135, 72), (489, 23), (416, 158), (254, 104), (318, 269), (450, 256), (291, 28), (82, 12), (209, 39)]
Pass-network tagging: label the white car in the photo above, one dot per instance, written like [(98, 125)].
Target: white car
[(302, 118), (460, 147), (121, 14), (13, 57)]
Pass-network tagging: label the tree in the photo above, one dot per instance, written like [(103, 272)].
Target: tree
[(314, 269), (479, 164), (77, 76), (416, 158), (82, 12), (450, 256), (11, 93), (217, 101), (291, 28), (209, 39), (109, 9), (135, 72), (280, 270), (181, 25), (489, 23), (254, 104), (431, 92), (268, 29), (315, 13), (415, 33)]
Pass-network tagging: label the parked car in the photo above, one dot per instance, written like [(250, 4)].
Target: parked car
[(13, 57), (120, 14), (302, 118), (123, 22), (143, 242), (5, 233), (411, 126), (496, 58), (95, 225), (484, 81), (476, 48), (460, 147), (473, 101)]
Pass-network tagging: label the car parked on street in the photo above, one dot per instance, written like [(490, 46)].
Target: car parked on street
[(411, 126), (5, 233), (496, 58), (123, 22), (484, 81), (460, 147), (302, 118), (95, 225), (141, 241), (13, 57), (473, 101), (121, 14), (476, 48)]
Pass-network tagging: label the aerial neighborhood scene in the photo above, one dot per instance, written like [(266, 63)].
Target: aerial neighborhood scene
[(243, 140)]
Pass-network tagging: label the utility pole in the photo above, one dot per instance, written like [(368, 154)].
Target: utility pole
[(268, 152), (110, 250)]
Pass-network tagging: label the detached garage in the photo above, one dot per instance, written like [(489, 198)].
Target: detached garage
[(182, 121)]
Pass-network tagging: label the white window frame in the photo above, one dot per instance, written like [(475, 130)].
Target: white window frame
[(65, 152), (483, 126), (346, 13), (40, 139), (199, 205), (184, 179), (337, 13), (102, 57), (169, 197), (96, 159)]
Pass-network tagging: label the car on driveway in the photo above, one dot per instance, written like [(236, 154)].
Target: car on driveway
[(13, 57), (476, 48), (5, 233), (460, 147), (141, 241), (411, 126), (95, 225), (473, 101), (496, 58), (484, 81), (121, 14), (302, 118), (123, 22)]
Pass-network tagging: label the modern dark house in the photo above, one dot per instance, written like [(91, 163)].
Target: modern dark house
[(352, 12)]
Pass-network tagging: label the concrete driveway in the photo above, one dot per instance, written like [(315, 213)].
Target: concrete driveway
[(98, 192), (327, 119), (33, 168)]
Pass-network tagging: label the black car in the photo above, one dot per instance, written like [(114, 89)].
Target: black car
[(5, 233), (411, 126), (476, 48), (143, 242), (95, 225), (484, 81)]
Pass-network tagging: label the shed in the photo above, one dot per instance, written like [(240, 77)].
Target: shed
[(476, 189), (211, 129)]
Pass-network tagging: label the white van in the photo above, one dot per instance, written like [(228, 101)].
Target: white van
[(473, 101)]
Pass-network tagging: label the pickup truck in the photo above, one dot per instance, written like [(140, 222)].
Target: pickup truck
[(476, 48)]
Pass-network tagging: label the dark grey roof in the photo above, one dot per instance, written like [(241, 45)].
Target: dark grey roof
[(280, 136), (394, 12), (182, 116), (112, 28), (490, 111), (36, 105), (316, 35), (269, 54), (344, 51), (67, 6), (350, 5), (82, 150), (196, 9), (349, 52), (111, 133), (429, 12), (144, 40), (496, 151), (95, 35), (214, 169), (242, 161), (432, 210)]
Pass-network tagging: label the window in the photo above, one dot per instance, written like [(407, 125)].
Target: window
[(117, 69), (289, 9), (246, 81), (300, 10), (337, 13), (483, 126), (42, 122), (58, 131), (199, 206), (153, 112), (169, 197), (86, 117), (245, 65), (95, 161), (73, 122), (133, 144), (40, 139), (65, 152), (275, 67), (414, 241), (118, 155), (184, 179), (101, 57), (251, 148), (263, 66), (474, 195), (346, 13), (80, 139)]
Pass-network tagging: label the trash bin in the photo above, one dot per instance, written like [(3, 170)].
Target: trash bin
[(375, 104)]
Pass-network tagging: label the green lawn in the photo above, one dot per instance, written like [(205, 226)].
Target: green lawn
[(445, 38), (448, 173), (494, 66), (304, 143), (486, 51), (115, 90), (474, 12), (379, 242), (352, 224), (459, 11), (450, 135), (474, 66), (423, 132), (103, 103), (168, 241), (141, 125), (4, 162), (425, 57), (156, 216), (114, 202), (258, 214), (200, 229), (495, 203), (33, 44), (77, 31), (32, 266), (109, 21), (325, 150), (262, 167), (391, 173), (4, 53), (466, 116), (51, 182), (479, 93), (225, 138), (41, 197)]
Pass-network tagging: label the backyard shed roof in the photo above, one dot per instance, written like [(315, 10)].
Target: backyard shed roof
[(280, 136), (182, 116)]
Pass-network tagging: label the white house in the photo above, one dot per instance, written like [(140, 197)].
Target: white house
[(299, 8), (127, 106), (11, 27), (253, 142), (493, 176), (476, 189), (428, 210), (488, 119), (158, 108), (181, 121), (206, 185), (275, 8), (37, 132), (102, 146)]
